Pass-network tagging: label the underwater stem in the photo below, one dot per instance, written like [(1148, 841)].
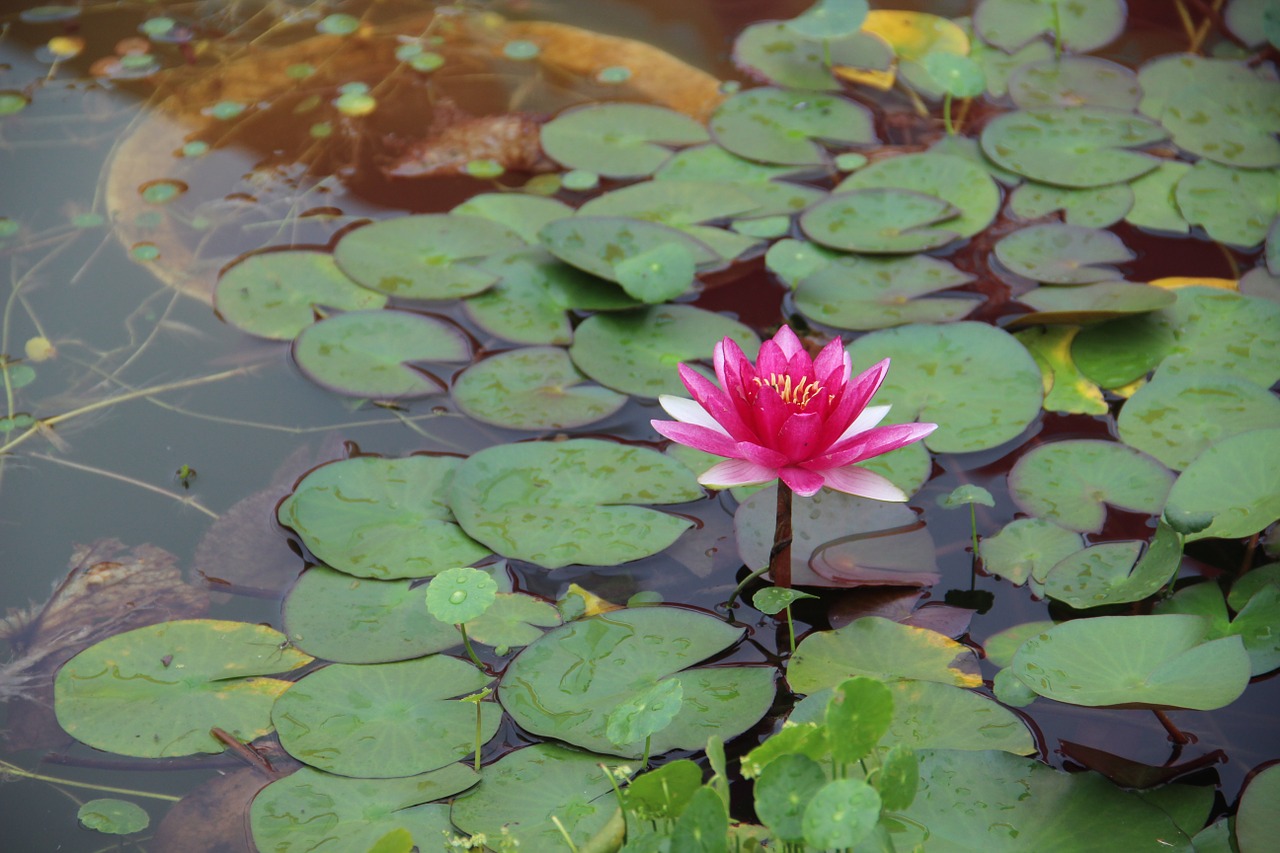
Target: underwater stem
[(1175, 734), (780, 556), (7, 769)]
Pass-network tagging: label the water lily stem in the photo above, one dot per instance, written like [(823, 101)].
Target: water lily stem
[(791, 629), (479, 736), (471, 653), (1175, 734), (737, 591), (7, 769), (780, 556), (946, 114)]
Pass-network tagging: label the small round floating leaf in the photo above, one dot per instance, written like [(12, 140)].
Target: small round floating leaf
[(1175, 417), (521, 50), (278, 294), (113, 817), (375, 353), (1258, 820), (782, 126), (1236, 480), (523, 214), (858, 716), (338, 25), (966, 495), (1063, 254), (956, 75), (1113, 573), (1074, 81), (1234, 206), (1093, 207), (636, 352), (12, 102), (899, 778), (580, 180), (1079, 26), (1068, 482), (842, 813), (385, 720), (663, 793), (460, 594), (792, 261), (618, 140), (785, 787), (1027, 548), (975, 381), (880, 220), (381, 518), (882, 649), (784, 57), (557, 503), (614, 74), (1072, 146), (429, 256), (157, 691), (775, 599), (646, 714), (1166, 663), (1093, 303), (958, 180), (535, 388), (309, 810)]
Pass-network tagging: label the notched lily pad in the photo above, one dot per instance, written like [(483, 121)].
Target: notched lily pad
[(1235, 206), (1113, 572), (1234, 480), (880, 220), (1074, 81), (958, 180), (785, 57), (1082, 26), (786, 126), (1092, 303), (618, 140), (883, 649), (522, 213), (1066, 389), (1092, 207), (861, 293), (1026, 549), (536, 388), (1063, 254), (1072, 146)]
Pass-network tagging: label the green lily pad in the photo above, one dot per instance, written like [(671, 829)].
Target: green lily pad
[(522, 213), (841, 540), (1257, 624), (1234, 206), (1063, 254), (1176, 416), (772, 600), (531, 302), (1028, 806), (792, 261), (1093, 303), (381, 518), (376, 353), (535, 388), (786, 126), (429, 256), (966, 494), (684, 205), (113, 817), (958, 180), (557, 503), (1081, 25), (969, 149), (568, 683), (880, 220), (780, 54), (1066, 388), (1113, 573), (524, 789), (278, 294), (1257, 820), (976, 382), (883, 649), (840, 814), (1091, 207), (1250, 583), (830, 19), (1074, 81), (950, 73), (458, 595), (309, 810), (712, 163), (646, 713), (1154, 203), (378, 721), (1235, 481), (157, 691), (1072, 146), (1068, 482), (997, 64), (636, 352), (1166, 663), (618, 140), (1027, 548), (1250, 20), (856, 292), (1001, 646)]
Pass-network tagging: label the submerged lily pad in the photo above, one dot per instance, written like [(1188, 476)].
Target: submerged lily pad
[(428, 256), (883, 649), (1063, 254), (376, 353), (309, 810), (636, 352), (1233, 480), (855, 292), (535, 388), (976, 382), (567, 684), (785, 126), (880, 220), (1167, 663), (157, 691), (113, 817), (1027, 548), (381, 518), (1081, 25), (1072, 146), (278, 294), (378, 721), (1113, 573), (557, 503), (958, 180), (1067, 482), (618, 140)]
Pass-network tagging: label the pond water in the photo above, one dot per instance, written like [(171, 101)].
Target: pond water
[(149, 148)]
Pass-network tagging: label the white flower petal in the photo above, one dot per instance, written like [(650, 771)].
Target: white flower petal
[(853, 480), (871, 416), (737, 472), (688, 411)]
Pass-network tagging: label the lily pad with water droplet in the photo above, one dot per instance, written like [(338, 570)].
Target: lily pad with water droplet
[(1027, 548), (1114, 573), (309, 810), (379, 721), (522, 213), (157, 691), (1092, 303), (952, 74), (567, 684), (1063, 254), (377, 353), (784, 57), (278, 294), (1235, 481), (883, 649), (1068, 482), (1167, 663), (535, 388), (958, 180), (1074, 81), (618, 140), (113, 817), (1072, 146), (976, 382), (636, 352), (428, 256), (881, 220), (381, 518), (786, 126), (1066, 388), (862, 293), (1093, 207), (458, 595), (577, 501), (1082, 26), (1235, 206)]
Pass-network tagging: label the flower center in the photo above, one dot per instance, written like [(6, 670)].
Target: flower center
[(798, 394)]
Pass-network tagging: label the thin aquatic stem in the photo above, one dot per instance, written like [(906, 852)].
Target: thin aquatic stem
[(946, 114), (188, 500), (471, 653), (780, 555), (791, 629), (7, 769), (737, 590)]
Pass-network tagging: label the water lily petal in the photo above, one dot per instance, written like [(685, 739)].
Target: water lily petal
[(798, 436), (871, 443), (772, 361), (689, 412), (788, 342), (871, 416), (717, 404), (853, 480), (853, 399), (769, 414), (758, 454), (802, 482), (696, 436), (737, 472), (833, 366)]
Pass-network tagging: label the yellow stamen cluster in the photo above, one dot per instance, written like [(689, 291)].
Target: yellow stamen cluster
[(799, 394)]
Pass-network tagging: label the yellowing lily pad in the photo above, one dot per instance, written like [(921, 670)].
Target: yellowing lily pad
[(857, 292), (784, 126), (1072, 146), (883, 649), (880, 220), (958, 180), (1233, 480), (535, 388), (1066, 389), (785, 57), (618, 140)]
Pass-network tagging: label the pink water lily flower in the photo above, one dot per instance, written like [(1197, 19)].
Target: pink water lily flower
[(790, 417)]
